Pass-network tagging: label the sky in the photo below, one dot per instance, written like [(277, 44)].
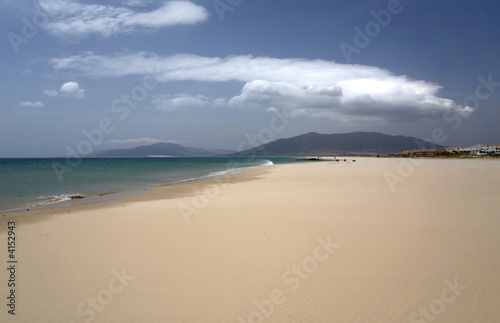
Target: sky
[(81, 76)]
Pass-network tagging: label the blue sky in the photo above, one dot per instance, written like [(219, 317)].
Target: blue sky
[(212, 74)]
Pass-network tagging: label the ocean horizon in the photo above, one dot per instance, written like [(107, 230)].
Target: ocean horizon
[(30, 183)]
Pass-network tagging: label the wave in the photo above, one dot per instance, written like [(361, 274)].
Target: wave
[(266, 162), (226, 172), (56, 199), (221, 173)]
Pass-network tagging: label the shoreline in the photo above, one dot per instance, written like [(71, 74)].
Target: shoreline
[(164, 191), (103, 197), (135, 194)]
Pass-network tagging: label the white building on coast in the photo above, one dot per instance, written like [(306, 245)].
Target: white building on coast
[(481, 150)]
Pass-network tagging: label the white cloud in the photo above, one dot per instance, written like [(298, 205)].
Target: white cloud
[(316, 88), (134, 3), (137, 141), (219, 102), (325, 89), (50, 92), (72, 89), (71, 18), (28, 104), (180, 101)]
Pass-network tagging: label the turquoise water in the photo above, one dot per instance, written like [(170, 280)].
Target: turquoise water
[(31, 182)]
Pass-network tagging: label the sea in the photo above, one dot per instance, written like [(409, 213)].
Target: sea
[(41, 183)]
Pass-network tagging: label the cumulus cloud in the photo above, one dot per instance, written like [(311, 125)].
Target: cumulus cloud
[(72, 89), (28, 104), (180, 101), (325, 89), (71, 18), (50, 92), (316, 88)]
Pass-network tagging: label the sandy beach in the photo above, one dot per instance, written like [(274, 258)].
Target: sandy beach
[(376, 240)]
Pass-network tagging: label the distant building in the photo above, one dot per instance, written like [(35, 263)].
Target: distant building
[(472, 150), (493, 149), (481, 150)]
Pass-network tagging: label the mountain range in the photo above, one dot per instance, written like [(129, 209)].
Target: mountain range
[(353, 143)]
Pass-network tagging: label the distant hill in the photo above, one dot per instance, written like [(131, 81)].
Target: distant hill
[(353, 143), (162, 149), (309, 144)]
